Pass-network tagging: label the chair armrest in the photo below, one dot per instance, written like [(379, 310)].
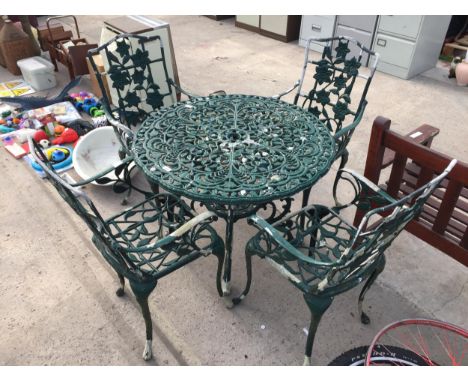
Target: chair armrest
[(71, 186), (343, 136), (41, 162), (115, 123), (179, 232), (217, 92), (178, 88), (360, 185), (423, 135), (274, 234), (278, 96), (102, 173), (123, 133), (351, 126)]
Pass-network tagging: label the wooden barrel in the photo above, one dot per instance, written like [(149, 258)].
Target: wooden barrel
[(15, 45), (2, 59)]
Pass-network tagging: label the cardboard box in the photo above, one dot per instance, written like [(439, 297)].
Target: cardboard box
[(92, 76)]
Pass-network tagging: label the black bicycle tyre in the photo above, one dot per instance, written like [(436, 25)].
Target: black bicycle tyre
[(384, 355)]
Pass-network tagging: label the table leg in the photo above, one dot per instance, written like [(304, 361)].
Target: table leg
[(226, 282)]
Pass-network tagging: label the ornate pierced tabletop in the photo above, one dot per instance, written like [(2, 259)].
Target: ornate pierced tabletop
[(234, 153), (233, 149)]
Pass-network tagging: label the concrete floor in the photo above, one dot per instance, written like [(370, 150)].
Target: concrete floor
[(57, 300)]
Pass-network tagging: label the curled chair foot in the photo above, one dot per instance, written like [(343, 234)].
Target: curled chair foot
[(121, 291), (228, 302), (238, 300), (365, 318), (226, 287), (148, 352), (306, 361)]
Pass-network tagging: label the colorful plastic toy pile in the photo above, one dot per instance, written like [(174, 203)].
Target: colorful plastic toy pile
[(86, 102)]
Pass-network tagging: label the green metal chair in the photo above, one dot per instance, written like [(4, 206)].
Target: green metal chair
[(136, 76), (333, 87), (135, 83), (323, 255), (145, 242)]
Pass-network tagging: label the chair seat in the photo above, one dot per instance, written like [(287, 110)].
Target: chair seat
[(320, 234), (149, 221), (136, 230)]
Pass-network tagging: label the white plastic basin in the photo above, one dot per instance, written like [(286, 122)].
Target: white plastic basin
[(95, 152)]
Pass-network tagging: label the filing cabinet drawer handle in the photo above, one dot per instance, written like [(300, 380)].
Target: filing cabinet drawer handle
[(381, 42), (316, 28)]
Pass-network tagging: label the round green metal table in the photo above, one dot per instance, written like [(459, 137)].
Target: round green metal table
[(235, 154)]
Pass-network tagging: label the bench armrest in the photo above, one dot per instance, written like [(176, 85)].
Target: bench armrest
[(423, 135)]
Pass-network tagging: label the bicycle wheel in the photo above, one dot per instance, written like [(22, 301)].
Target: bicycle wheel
[(433, 342), (382, 355)]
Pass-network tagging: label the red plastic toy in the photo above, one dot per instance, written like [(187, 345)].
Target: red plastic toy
[(68, 136), (40, 135)]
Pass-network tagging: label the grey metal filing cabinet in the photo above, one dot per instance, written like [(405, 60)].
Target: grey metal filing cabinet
[(409, 45), (280, 27), (316, 27), (361, 28)]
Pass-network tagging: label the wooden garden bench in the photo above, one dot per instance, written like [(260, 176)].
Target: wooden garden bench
[(444, 220)]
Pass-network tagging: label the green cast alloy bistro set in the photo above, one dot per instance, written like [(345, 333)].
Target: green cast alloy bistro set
[(234, 156)]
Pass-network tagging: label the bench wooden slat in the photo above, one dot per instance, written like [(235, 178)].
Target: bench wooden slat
[(435, 204), (447, 206), (464, 240), (408, 187), (396, 175), (413, 170)]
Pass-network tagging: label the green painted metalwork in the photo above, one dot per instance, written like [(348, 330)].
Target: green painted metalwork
[(233, 149), (235, 154), (137, 90), (334, 97), (330, 98), (145, 242), (131, 73), (323, 255)]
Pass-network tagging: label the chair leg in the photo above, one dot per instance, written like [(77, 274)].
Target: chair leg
[(218, 251), (142, 291), (305, 201), (71, 72), (344, 160), (121, 291), (128, 181), (305, 197), (248, 265), (154, 188), (364, 317), (317, 307), (52, 57)]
